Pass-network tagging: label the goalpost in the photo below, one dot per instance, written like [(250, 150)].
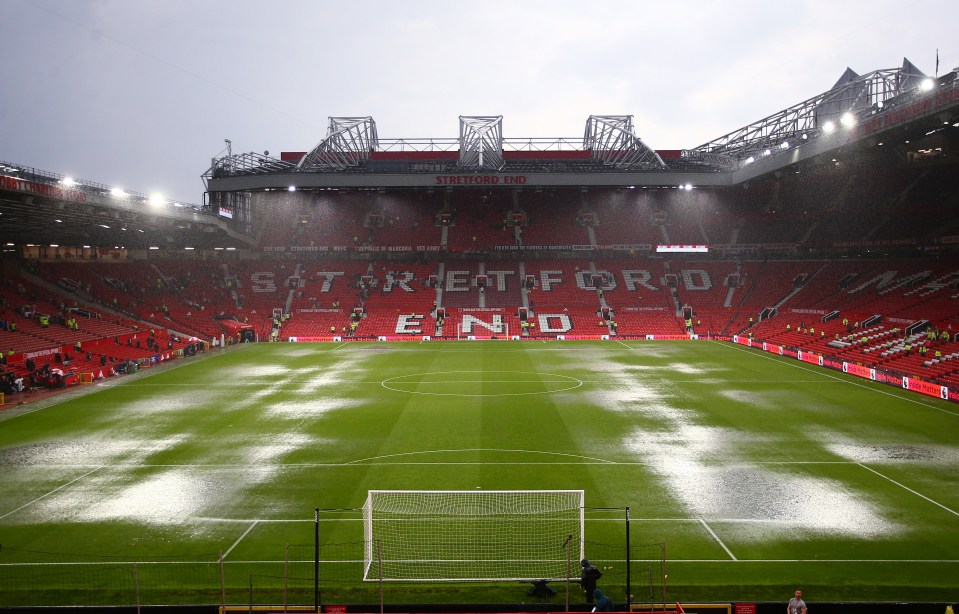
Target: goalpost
[(472, 535), (486, 334)]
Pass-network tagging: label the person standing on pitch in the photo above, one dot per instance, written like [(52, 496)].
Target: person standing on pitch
[(588, 579), (796, 604)]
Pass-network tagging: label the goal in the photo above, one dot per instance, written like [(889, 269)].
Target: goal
[(472, 535), (481, 331)]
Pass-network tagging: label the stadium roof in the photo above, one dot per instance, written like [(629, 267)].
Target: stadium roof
[(610, 153)]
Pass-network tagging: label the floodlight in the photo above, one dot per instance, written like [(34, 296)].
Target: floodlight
[(104, 226), (292, 188), (152, 247), (58, 221), (829, 127), (54, 245), (766, 152), (188, 248), (117, 193), (784, 145), (750, 160), (68, 182), (927, 84), (156, 200), (688, 187), (848, 120)]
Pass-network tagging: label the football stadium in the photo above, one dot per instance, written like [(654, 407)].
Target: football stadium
[(487, 372)]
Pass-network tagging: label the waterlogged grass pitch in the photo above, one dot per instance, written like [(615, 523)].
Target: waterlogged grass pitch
[(759, 473)]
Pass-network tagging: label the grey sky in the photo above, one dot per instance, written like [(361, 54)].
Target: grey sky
[(142, 93)]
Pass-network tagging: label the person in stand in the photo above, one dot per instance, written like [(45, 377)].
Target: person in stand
[(588, 579), (796, 604)]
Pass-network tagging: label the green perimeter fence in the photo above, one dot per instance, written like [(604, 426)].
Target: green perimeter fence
[(301, 575)]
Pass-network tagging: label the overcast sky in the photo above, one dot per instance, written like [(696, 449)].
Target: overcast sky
[(142, 93)]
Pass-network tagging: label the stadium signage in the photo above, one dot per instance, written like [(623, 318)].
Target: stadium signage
[(907, 383), (41, 189), (480, 179), (682, 248), (893, 117)]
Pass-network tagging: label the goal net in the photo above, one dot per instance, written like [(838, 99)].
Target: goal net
[(442, 536)]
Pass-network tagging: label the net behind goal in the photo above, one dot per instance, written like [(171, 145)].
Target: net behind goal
[(436, 536)]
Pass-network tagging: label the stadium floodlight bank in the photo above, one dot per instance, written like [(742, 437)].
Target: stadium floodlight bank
[(473, 535)]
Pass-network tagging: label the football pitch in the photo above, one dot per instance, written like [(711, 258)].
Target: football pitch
[(760, 474)]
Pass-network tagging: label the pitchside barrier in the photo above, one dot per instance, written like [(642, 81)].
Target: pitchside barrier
[(498, 337), (871, 373), (399, 564)]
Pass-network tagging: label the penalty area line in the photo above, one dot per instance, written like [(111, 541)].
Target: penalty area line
[(903, 486), (29, 503), (719, 541), (240, 538)]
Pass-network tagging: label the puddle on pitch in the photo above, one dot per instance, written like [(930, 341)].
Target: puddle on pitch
[(895, 453), (694, 463)]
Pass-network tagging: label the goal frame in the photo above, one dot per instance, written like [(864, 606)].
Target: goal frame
[(488, 336), (372, 548)]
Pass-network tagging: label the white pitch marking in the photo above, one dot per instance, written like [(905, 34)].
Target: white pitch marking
[(357, 463), (239, 539), (719, 541), (936, 503), (671, 561), (50, 493), (363, 460), (625, 346)]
